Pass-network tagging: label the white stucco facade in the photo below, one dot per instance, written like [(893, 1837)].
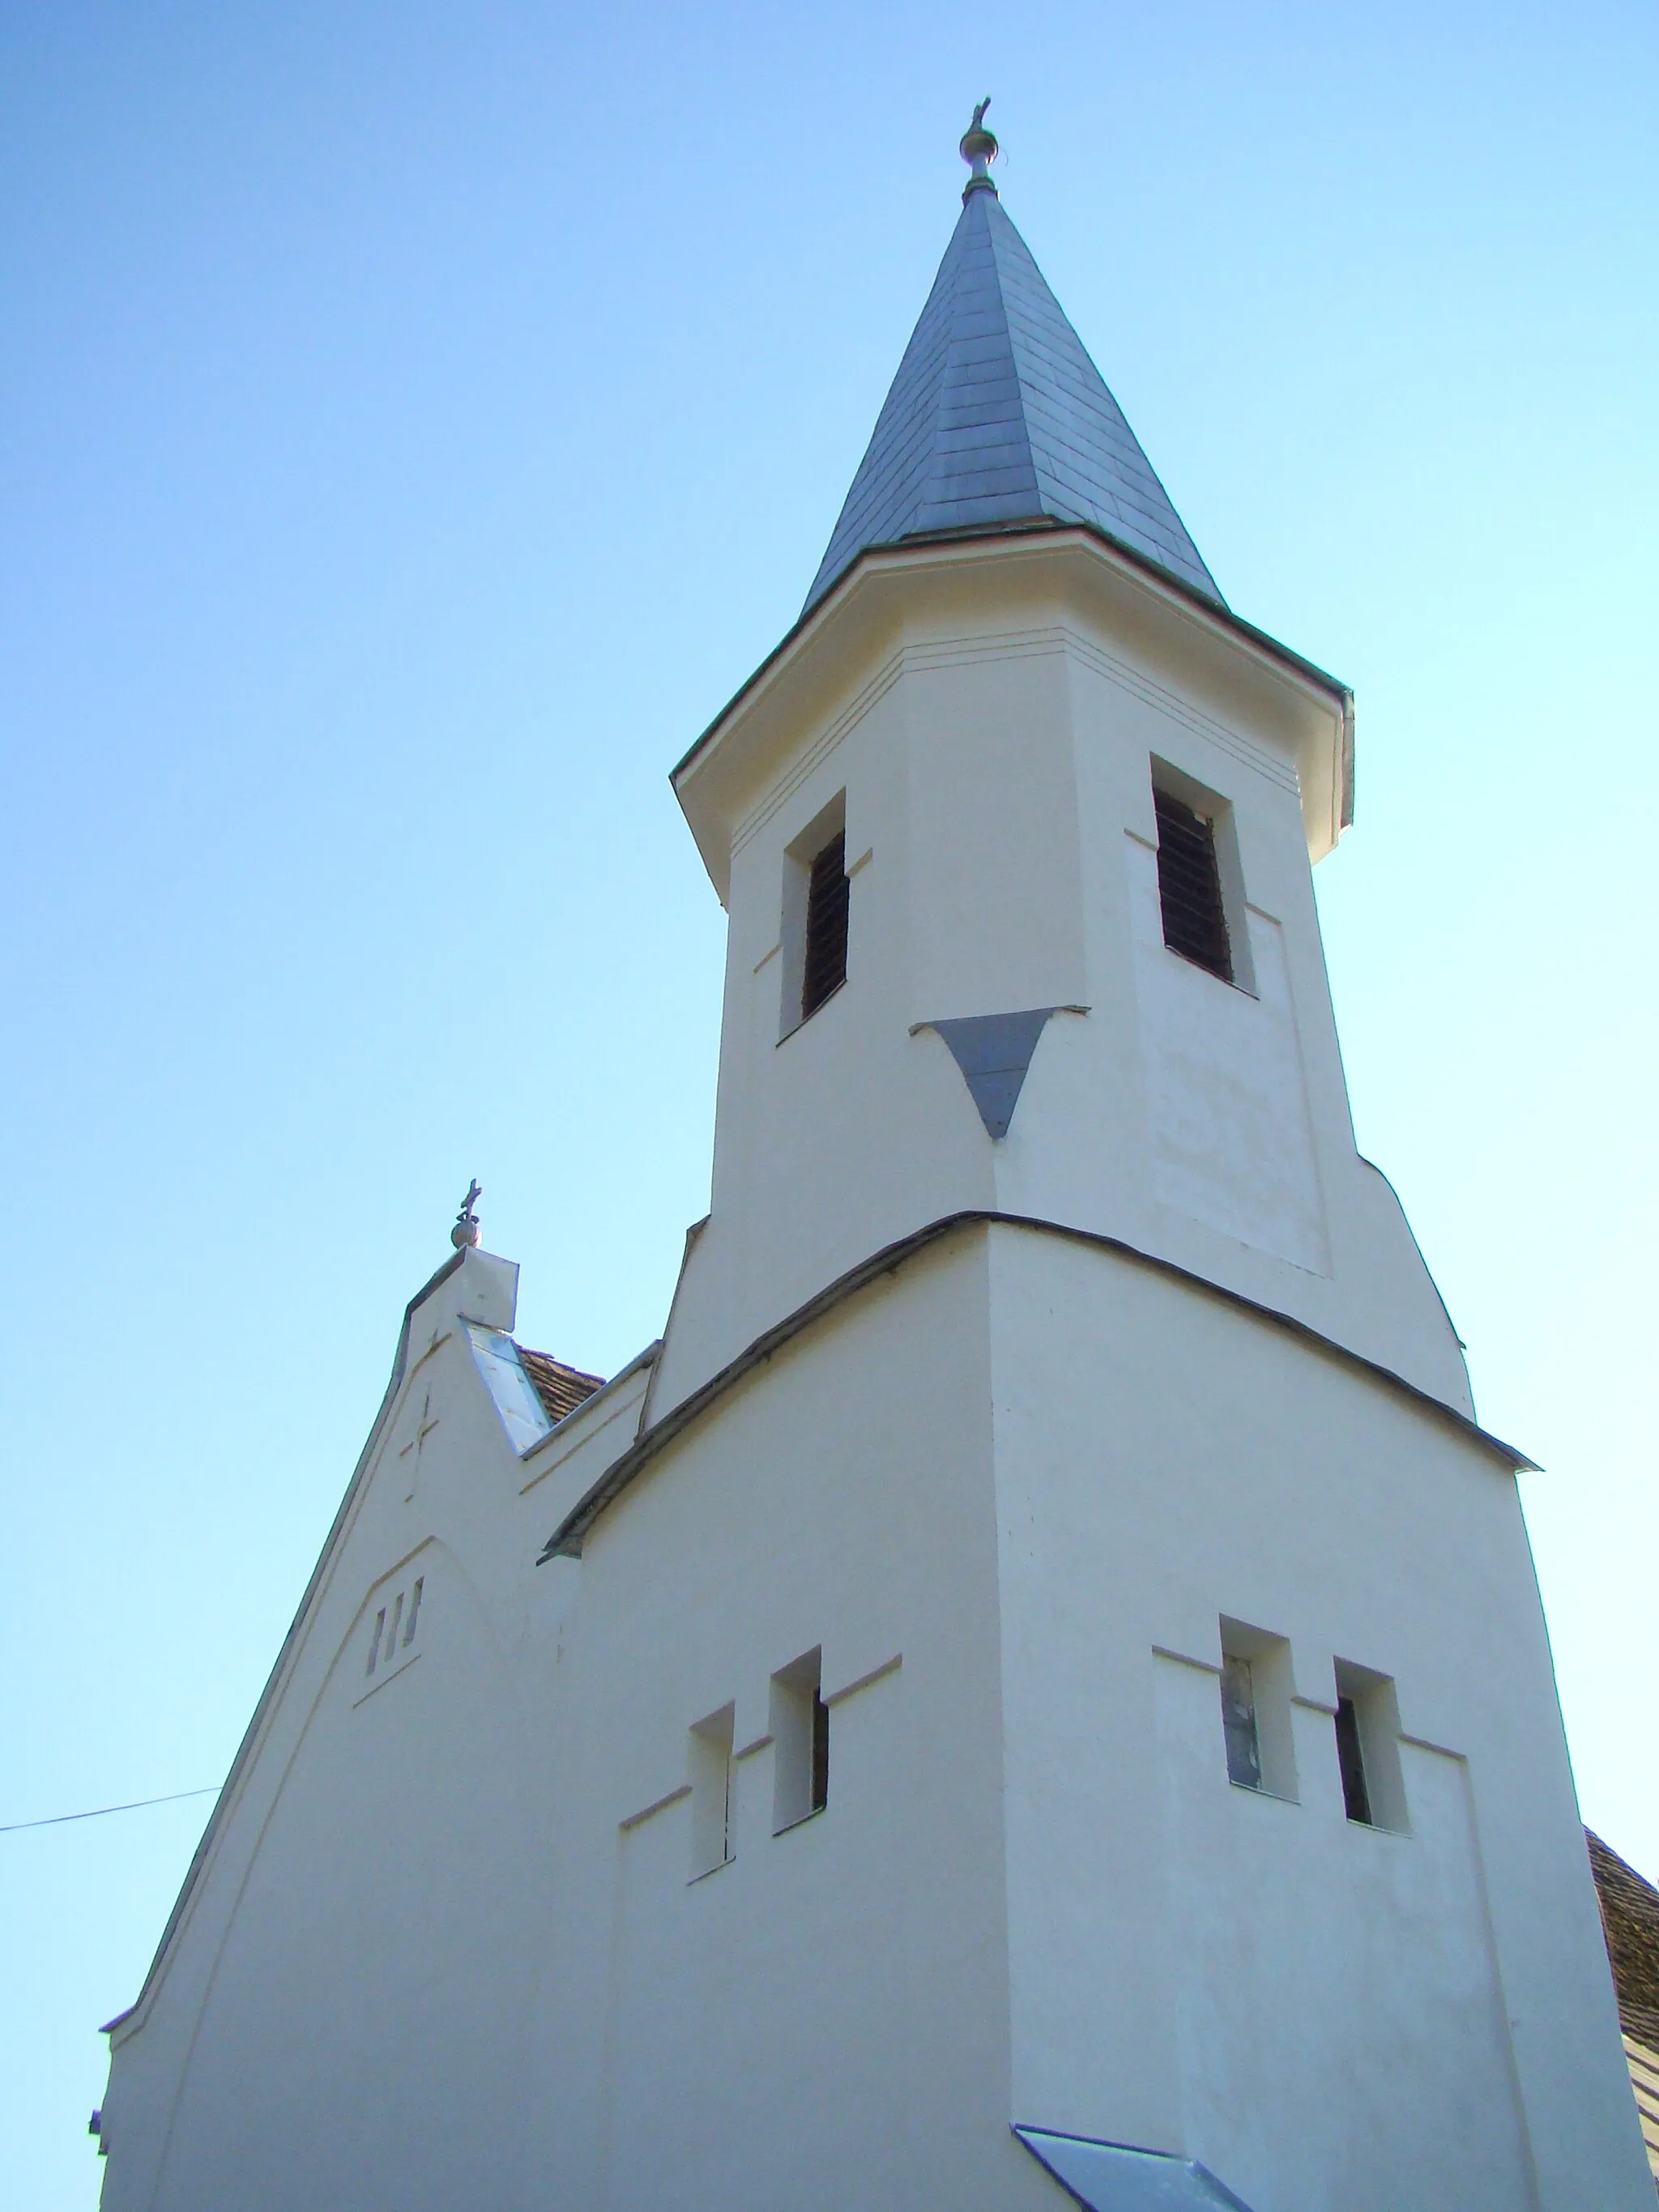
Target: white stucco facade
[(999, 1442), (988, 714)]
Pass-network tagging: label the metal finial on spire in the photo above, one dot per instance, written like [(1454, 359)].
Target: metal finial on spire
[(466, 1232), (979, 150)]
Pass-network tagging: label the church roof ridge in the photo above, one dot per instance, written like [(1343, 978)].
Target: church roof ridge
[(999, 416)]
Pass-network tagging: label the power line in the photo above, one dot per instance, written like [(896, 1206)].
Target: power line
[(99, 1811)]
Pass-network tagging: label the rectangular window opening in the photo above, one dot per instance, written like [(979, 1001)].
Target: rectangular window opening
[(1238, 1723), (820, 1753), (1356, 1797), (1256, 1692), (824, 971), (800, 1742), (1368, 1748), (710, 1772), (813, 919), (1189, 886)]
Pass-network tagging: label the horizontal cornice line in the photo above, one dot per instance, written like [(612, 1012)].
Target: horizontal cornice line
[(1053, 640), (1261, 757), (1028, 537), (566, 1540)]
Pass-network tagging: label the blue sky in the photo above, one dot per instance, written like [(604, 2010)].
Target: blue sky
[(416, 421)]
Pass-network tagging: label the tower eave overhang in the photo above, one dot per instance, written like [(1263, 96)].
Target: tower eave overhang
[(804, 682)]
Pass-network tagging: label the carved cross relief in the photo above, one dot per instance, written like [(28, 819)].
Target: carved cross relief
[(411, 1453)]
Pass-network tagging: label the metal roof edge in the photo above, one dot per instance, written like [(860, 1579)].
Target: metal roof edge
[(1341, 693), (693, 1237), (268, 1695), (646, 1359), (566, 1540)]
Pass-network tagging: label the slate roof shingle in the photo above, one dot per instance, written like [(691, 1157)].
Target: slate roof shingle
[(997, 417)]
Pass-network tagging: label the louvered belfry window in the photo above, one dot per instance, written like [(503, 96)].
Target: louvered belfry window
[(825, 966), (1190, 887)]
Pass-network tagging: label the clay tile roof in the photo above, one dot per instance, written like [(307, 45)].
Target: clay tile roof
[(1630, 1918), (561, 1389)]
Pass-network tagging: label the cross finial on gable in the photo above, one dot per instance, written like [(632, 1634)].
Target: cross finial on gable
[(466, 1232)]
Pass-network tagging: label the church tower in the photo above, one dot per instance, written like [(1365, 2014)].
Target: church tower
[(1031, 1089), (1035, 1684), (1056, 806)]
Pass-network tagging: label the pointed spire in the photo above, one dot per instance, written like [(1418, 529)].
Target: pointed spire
[(997, 417)]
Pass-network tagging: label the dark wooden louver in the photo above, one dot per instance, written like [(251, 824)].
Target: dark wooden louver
[(826, 928), (1190, 887)]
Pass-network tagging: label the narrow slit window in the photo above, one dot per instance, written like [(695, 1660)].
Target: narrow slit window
[(1190, 886), (1351, 1759), (800, 1742), (1256, 1690), (1238, 1724), (824, 969), (392, 1642), (820, 1753), (710, 1776), (1368, 1748)]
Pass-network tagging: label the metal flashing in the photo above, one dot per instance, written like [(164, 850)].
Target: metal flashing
[(993, 1051), (1104, 2177), (595, 1398)]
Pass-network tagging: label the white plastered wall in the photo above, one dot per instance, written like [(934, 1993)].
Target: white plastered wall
[(822, 2021), (447, 1931), (339, 2015), (995, 738), (447, 1947), (1323, 2013)]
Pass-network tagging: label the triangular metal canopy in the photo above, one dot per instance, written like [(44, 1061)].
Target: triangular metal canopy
[(993, 1051), (1105, 2177), (998, 416)]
